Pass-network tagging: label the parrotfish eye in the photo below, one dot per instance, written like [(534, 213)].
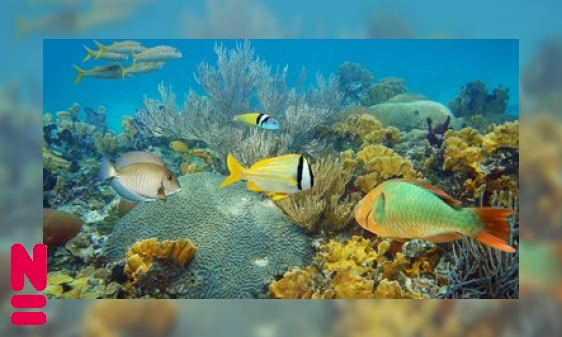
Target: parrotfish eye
[(169, 177)]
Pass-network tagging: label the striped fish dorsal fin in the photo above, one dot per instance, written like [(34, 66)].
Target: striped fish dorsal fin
[(136, 157), (436, 191)]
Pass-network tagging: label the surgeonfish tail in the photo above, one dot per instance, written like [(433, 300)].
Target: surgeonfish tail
[(101, 48), (80, 74), (236, 171), (90, 53), (107, 170), (497, 230)]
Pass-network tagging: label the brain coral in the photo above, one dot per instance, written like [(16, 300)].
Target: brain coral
[(242, 240), (408, 115)]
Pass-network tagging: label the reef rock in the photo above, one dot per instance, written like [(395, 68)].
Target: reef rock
[(242, 239), (410, 115)]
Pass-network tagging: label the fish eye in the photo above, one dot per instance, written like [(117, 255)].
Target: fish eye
[(169, 177)]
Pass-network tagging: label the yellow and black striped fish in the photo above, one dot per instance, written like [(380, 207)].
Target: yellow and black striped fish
[(258, 119), (277, 177)]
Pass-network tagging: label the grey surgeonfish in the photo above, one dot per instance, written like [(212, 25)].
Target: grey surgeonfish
[(139, 176)]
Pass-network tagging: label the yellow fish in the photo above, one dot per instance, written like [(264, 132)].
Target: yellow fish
[(179, 146), (277, 177), (413, 209), (258, 119), (111, 71)]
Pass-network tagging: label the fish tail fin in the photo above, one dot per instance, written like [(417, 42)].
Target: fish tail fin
[(236, 171), (80, 74), (497, 230), (101, 48), (23, 27), (107, 170), (89, 55)]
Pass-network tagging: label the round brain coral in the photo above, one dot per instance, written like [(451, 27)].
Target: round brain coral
[(242, 240)]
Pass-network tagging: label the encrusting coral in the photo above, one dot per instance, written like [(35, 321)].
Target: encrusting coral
[(356, 269), (325, 207)]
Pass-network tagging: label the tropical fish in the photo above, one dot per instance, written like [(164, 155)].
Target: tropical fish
[(258, 119), (111, 71), (110, 56), (142, 68), (124, 47), (412, 209), (139, 176), (157, 54), (179, 146), (277, 177)]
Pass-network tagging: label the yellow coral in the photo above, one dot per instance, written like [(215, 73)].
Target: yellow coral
[(187, 168), (203, 154), (382, 163), (293, 285), (506, 135), (140, 256), (106, 143), (368, 129), (179, 147), (348, 285)]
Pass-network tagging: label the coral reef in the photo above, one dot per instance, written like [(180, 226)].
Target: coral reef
[(89, 283), (410, 115), (367, 129), (474, 99), (354, 80), (59, 227), (152, 266), (375, 164), (242, 241), (356, 269), (383, 90), (326, 207)]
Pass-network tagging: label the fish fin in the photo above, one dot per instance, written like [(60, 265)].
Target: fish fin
[(442, 237), (436, 191), (496, 231), (363, 209), (90, 53), (101, 48), (80, 74), (161, 193), (122, 71), (107, 170), (236, 171), (277, 196), (287, 161), (253, 187), (136, 157)]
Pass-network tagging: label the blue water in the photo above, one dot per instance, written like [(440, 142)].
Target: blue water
[(436, 68)]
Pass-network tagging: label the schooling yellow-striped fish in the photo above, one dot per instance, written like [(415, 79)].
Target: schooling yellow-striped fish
[(277, 177), (413, 209), (258, 119), (139, 176)]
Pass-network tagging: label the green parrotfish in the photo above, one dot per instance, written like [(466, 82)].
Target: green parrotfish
[(406, 209)]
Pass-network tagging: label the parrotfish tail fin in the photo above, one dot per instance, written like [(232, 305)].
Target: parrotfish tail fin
[(101, 48), (80, 74), (90, 53), (107, 170), (497, 230), (236, 171)]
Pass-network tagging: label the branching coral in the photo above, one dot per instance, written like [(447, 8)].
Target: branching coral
[(354, 80), (474, 99), (326, 207)]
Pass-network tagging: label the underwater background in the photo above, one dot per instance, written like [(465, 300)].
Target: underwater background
[(436, 68), (438, 110)]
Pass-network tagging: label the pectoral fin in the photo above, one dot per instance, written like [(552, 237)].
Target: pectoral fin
[(277, 196), (442, 237), (161, 194)]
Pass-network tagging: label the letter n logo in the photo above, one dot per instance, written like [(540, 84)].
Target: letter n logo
[(36, 271)]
